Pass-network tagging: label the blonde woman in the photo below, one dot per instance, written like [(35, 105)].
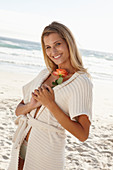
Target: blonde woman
[(58, 99)]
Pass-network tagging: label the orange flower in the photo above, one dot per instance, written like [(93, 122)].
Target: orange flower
[(60, 72)]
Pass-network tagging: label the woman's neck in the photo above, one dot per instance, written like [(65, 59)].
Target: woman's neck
[(68, 67), (70, 70)]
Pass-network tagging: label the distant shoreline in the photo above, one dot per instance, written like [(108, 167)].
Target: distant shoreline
[(37, 42), (27, 57)]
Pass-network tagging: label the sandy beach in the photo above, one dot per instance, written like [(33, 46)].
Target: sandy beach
[(94, 154)]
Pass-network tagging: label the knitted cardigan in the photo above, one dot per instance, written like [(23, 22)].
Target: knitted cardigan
[(46, 144)]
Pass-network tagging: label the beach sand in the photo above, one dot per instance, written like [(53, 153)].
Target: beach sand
[(94, 154)]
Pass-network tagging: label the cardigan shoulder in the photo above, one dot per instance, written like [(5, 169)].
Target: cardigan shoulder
[(80, 101), (30, 86), (81, 81)]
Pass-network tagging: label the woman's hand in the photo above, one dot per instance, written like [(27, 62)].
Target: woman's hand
[(44, 95), (34, 103)]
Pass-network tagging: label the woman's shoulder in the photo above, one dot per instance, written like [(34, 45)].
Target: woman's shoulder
[(30, 86), (39, 76), (41, 73), (45, 70), (83, 79)]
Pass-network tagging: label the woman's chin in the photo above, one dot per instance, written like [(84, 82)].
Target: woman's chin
[(58, 62)]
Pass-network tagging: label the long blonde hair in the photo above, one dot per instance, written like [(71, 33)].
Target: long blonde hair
[(65, 33)]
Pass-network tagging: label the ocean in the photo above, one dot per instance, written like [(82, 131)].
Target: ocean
[(26, 57)]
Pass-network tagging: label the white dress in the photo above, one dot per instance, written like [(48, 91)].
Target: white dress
[(46, 144)]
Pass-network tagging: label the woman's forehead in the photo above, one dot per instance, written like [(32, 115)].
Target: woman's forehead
[(52, 38)]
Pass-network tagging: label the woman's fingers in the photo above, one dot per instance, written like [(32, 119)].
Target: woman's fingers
[(34, 96), (48, 88), (44, 89), (39, 90), (49, 91), (44, 95), (36, 92)]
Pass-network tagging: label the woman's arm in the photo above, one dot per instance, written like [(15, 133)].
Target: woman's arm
[(79, 129), (23, 109)]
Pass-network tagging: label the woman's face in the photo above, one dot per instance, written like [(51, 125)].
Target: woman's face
[(56, 49)]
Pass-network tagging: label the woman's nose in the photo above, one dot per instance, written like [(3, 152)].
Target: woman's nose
[(54, 51)]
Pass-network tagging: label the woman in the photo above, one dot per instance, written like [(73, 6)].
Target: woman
[(47, 110)]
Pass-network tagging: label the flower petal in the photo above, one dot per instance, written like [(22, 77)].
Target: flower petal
[(55, 73), (62, 72)]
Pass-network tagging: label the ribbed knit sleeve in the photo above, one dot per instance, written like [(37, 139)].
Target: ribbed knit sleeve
[(80, 101)]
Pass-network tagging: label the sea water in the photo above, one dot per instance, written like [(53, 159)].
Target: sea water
[(27, 57)]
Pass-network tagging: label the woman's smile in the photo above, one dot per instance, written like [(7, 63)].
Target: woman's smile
[(57, 57)]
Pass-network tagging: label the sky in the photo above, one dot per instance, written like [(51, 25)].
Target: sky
[(91, 21)]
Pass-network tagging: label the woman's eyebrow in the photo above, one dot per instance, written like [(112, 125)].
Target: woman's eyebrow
[(54, 42)]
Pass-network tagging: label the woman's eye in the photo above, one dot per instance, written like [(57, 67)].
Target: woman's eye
[(47, 47), (58, 43)]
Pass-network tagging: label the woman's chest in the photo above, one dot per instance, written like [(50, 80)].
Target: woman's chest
[(49, 81), (52, 79)]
